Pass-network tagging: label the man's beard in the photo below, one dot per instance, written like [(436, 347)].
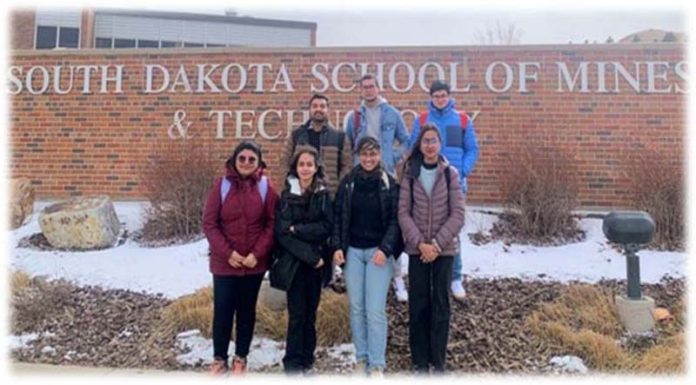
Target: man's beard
[(319, 118)]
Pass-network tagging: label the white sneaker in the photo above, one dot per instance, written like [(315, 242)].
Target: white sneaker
[(458, 290), (400, 290)]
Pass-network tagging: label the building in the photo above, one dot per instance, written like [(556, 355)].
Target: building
[(110, 29), (654, 36)]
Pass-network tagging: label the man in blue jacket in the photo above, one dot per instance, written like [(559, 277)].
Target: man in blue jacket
[(382, 121), (458, 146)]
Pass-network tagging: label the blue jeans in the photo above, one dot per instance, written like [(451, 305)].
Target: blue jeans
[(457, 266), (367, 286), (457, 262)]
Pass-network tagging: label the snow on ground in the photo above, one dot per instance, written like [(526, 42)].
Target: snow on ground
[(21, 341), (263, 352), (178, 270)]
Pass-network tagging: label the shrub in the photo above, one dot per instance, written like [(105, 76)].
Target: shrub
[(657, 187), (176, 182), (539, 190)]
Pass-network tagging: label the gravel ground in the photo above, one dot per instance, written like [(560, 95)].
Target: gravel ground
[(90, 326)]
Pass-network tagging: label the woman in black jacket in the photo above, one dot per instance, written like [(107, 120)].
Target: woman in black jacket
[(303, 265), (367, 238)]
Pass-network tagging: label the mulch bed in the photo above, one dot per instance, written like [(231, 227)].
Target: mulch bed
[(92, 326)]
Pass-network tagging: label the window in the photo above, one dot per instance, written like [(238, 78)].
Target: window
[(148, 44), (189, 45), (46, 37), (124, 43), (103, 42), (210, 45), (68, 37), (169, 44)]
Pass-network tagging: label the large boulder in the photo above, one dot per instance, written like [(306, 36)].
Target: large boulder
[(274, 299), (21, 201), (80, 223)]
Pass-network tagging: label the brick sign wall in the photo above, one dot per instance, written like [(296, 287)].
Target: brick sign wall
[(85, 122)]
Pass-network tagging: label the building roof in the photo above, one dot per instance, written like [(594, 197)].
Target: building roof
[(208, 17), (653, 36)]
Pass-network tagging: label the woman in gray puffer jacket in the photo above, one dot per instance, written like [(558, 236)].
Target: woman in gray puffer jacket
[(431, 215)]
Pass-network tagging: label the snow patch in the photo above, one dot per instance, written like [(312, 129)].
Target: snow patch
[(569, 364), (21, 341), (264, 352)]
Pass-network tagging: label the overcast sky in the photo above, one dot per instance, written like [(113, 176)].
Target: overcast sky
[(459, 27), (436, 22)]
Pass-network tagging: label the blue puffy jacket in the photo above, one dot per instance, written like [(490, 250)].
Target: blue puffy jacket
[(462, 157)]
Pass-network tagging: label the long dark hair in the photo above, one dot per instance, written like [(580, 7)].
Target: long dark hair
[(416, 155), (318, 179)]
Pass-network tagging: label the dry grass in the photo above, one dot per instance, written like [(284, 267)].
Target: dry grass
[(195, 311), (665, 358), (18, 282), (584, 321)]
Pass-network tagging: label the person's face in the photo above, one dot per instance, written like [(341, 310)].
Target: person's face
[(306, 167), (440, 99), (319, 110), (430, 145), (369, 90), (246, 162), (369, 159)]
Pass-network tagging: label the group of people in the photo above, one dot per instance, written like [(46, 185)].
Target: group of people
[(361, 199)]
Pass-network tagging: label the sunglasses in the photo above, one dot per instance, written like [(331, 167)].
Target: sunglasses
[(245, 159)]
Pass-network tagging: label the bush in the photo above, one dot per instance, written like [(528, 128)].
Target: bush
[(657, 187), (539, 190), (176, 182)]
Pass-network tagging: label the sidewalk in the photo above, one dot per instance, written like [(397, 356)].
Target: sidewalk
[(22, 369)]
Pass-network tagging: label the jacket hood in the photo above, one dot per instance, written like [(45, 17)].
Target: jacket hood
[(293, 185), (414, 166), (451, 106), (380, 101)]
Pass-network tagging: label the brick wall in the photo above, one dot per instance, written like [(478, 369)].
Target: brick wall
[(80, 144), (22, 25)]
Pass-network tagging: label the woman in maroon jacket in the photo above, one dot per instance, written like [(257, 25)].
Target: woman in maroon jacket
[(238, 221)]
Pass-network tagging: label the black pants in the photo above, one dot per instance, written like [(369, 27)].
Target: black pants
[(303, 301), (234, 295), (429, 311)]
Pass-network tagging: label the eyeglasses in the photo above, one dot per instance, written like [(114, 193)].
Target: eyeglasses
[(430, 141), (245, 159), (440, 95)]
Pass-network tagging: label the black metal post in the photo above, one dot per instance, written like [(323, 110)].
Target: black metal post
[(633, 272)]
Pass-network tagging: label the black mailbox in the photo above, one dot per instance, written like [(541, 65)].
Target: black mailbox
[(630, 229)]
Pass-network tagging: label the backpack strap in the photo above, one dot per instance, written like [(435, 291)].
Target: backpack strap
[(464, 119), (226, 186), (422, 118), (356, 126), (263, 188)]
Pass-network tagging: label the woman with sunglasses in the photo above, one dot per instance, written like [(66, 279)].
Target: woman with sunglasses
[(431, 215), (238, 222), (366, 237), (302, 267)]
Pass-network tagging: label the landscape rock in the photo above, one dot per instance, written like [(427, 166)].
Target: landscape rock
[(80, 223), (21, 201)]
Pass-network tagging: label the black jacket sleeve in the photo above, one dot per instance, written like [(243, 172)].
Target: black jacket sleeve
[(392, 234), (336, 237)]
